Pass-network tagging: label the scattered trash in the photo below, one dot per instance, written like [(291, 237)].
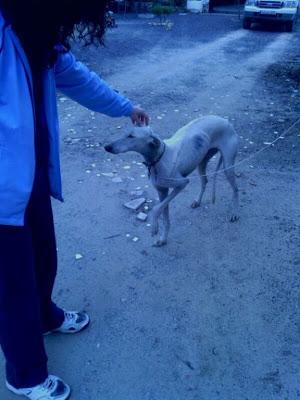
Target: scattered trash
[(112, 236), (137, 193), (117, 179), (142, 216), (135, 204)]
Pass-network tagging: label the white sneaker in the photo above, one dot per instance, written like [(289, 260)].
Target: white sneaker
[(74, 322), (52, 389)]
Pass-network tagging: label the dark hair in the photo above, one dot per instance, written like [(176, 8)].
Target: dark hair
[(43, 24)]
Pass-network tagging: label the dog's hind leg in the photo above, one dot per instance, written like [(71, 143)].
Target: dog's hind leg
[(215, 179), (230, 175), (203, 177)]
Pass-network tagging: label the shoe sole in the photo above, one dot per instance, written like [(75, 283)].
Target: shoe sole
[(68, 332), (66, 396)]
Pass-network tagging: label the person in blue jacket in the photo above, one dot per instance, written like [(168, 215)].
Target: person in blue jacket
[(35, 61)]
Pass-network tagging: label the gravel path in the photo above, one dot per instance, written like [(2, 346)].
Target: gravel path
[(213, 315)]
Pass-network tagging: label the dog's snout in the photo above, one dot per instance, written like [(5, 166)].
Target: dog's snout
[(108, 148)]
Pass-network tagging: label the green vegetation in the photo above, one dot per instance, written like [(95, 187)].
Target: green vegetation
[(162, 10)]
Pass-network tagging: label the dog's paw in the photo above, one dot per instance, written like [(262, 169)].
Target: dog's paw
[(159, 243), (234, 218), (195, 204)]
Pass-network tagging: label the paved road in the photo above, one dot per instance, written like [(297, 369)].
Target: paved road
[(214, 315)]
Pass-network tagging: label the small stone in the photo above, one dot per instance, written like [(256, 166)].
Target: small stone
[(127, 235), (135, 239), (127, 167), (78, 256), (142, 216), (137, 193), (135, 204), (88, 171), (63, 99), (117, 179), (108, 174)]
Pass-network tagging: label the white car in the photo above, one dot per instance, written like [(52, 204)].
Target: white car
[(279, 11)]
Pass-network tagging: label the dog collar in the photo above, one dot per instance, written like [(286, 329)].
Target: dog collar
[(152, 164)]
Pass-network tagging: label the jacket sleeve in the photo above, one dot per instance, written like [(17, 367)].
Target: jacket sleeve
[(76, 81)]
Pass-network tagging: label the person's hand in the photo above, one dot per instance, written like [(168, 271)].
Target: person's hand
[(139, 116)]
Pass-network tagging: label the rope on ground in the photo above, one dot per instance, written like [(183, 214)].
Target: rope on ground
[(257, 152)]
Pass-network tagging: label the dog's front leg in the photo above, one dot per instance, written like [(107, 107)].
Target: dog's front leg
[(162, 193), (157, 210)]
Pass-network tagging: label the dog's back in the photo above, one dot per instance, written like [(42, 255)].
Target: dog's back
[(210, 128)]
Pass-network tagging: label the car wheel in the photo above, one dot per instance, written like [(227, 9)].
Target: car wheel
[(246, 23)]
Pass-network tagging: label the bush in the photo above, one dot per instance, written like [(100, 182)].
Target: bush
[(162, 10)]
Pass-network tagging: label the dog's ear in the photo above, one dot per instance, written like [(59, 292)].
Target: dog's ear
[(154, 142)]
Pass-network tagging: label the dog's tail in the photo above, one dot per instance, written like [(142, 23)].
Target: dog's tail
[(215, 179)]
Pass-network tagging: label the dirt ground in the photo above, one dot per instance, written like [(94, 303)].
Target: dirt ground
[(215, 313)]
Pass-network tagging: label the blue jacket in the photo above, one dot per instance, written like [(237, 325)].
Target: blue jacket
[(17, 153)]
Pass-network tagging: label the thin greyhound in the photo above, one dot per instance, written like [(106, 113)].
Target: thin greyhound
[(170, 161)]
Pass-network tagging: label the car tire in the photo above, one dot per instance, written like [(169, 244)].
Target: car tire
[(289, 26), (246, 23)]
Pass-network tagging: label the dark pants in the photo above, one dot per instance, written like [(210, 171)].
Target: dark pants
[(28, 264)]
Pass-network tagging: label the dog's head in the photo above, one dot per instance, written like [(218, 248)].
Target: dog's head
[(139, 139)]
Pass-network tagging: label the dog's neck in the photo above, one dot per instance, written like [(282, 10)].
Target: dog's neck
[(153, 157)]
